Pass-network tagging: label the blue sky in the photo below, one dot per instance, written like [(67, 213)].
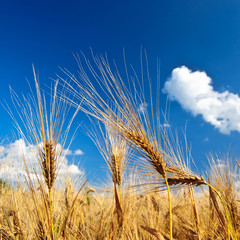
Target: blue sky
[(201, 35)]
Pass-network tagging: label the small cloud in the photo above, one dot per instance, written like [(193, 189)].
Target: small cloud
[(78, 152), (206, 139), (74, 153), (166, 125)]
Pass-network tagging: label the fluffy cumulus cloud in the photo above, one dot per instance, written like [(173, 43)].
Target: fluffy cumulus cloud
[(195, 93), (12, 166)]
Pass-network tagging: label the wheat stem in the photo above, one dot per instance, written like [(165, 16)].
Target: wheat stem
[(50, 211), (169, 206)]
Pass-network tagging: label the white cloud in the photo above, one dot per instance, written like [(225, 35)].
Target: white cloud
[(12, 166), (74, 153), (194, 91)]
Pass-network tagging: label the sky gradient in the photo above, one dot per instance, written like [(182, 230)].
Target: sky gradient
[(203, 36)]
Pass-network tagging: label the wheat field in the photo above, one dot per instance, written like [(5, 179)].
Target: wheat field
[(152, 192)]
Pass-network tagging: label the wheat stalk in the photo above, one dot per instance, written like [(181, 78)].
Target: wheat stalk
[(44, 134), (116, 153)]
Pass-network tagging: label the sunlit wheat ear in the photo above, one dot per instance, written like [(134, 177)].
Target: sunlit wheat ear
[(116, 170), (49, 163)]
